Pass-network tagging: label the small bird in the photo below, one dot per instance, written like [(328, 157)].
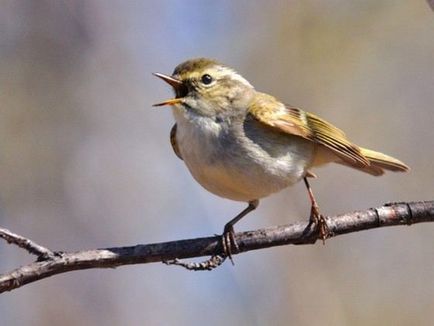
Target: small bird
[(244, 145)]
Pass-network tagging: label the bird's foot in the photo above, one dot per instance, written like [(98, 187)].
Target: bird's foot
[(320, 223), (229, 243)]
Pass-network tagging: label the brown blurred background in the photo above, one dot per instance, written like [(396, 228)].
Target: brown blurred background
[(86, 162)]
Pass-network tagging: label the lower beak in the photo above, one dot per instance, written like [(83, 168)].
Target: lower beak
[(172, 101), (175, 83)]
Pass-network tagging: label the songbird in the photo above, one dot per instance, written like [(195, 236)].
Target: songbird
[(244, 145)]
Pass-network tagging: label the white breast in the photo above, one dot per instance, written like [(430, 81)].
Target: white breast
[(227, 163)]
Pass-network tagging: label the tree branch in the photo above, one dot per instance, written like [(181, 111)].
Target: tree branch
[(51, 263)]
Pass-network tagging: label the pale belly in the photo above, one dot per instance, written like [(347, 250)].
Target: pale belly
[(242, 162)]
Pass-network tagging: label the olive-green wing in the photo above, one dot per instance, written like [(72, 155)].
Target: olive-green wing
[(173, 141), (294, 121)]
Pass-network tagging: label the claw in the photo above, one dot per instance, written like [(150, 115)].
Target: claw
[(228, 242), (320, 223)]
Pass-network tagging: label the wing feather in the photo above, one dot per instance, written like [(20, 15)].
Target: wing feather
[(173, 141), (294, 121)]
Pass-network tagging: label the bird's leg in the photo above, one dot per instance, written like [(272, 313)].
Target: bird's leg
[(228, 242), (228, 236), (315, 217)]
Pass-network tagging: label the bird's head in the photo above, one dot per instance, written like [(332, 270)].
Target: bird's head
[(208, 88)]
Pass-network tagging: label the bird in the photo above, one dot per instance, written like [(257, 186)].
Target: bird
[(244, 145)]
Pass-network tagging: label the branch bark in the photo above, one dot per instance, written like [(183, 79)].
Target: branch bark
[(51, 263)]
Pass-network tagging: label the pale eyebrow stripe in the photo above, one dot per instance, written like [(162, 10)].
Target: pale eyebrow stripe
[(233, 74)]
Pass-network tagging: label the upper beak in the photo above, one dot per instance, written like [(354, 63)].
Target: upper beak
[(175, 83)]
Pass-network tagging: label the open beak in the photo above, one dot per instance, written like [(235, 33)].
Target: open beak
[(175, 83)]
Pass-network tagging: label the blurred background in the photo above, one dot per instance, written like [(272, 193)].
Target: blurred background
[(85, 161)]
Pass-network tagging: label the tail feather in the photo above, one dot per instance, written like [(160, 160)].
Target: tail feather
[(380, 162)]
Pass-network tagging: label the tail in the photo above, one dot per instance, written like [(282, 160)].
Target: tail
[(380, 162)]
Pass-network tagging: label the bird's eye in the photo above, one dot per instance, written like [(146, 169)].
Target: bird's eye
[(206, 79)]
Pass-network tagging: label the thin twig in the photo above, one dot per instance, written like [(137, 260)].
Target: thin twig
[(206, 265), (27, 244), (297, 233)]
